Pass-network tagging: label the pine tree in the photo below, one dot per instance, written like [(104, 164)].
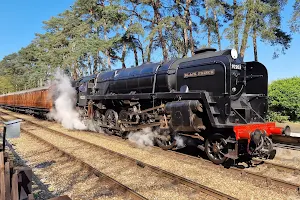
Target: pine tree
[(295, 20)]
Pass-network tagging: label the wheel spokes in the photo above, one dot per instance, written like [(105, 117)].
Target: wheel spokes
[(216, 148)]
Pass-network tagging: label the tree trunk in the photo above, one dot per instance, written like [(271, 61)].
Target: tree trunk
[(107, 51), (123, 55), (149, 50), (135, 55), (155, 5), (95, 64), (254, 44), (179, 51), (191, 34), (163, 44), (217, 28), (207, 24), (143, 55), (108, 59), (185, 29), (186, 43), (140, 47), (190, 24), (247, 27), (89, 64), (235, 26), (75, 75)]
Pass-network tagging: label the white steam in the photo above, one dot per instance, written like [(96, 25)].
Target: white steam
[(179, 142), (64, 96), (143, 138), (146, 137)]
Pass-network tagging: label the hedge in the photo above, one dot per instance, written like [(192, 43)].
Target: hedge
[(284, 100)]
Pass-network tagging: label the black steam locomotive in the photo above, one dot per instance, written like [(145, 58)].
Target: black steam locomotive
[(214, 98)]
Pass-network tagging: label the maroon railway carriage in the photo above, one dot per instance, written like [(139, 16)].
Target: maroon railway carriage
[(32, 101)]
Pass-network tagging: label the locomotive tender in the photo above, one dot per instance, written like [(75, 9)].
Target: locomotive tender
[(212, 100), (213, 97)]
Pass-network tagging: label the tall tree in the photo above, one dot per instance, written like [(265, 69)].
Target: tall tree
[(295, 20)]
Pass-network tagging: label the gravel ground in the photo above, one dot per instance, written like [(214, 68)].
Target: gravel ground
[(276, 173), (59, 174), (201, 172), (142, 180), (287, 157)]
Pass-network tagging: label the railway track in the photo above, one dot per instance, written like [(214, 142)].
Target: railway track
[(127, 192), (175, 179), (239, 172), (286, 142), (287, 146), (258, 176)]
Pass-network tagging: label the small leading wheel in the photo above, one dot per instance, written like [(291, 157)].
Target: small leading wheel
[(216, 148)]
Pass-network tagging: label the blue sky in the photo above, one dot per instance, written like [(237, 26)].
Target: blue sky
[(20, 20)]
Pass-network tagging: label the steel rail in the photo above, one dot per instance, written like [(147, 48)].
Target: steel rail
[(284, 139), (286, 142), (291, 169), (287, 146), (197, 186)]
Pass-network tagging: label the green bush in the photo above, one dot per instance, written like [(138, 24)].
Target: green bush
[(284, 99), (276, 117)]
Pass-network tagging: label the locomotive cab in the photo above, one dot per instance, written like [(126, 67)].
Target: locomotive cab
[(84, 88)]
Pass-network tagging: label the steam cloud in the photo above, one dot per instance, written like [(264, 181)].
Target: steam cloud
[(146, 137), (143, 138), (179, 142), (64, 96)]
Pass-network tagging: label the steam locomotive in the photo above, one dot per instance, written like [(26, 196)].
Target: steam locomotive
[(214, 98)]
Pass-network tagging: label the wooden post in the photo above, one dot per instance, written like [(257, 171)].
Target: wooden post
[(14, 187), (7, 180), (2, 177)]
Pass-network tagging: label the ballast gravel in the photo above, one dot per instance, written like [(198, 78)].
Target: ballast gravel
[(201, 172), (142, 180), (59, 174)]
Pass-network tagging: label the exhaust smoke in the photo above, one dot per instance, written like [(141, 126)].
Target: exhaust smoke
[(179, 142), (143, 138), (64, 100)]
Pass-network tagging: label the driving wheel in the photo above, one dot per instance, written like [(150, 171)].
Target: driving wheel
[(111, 120)]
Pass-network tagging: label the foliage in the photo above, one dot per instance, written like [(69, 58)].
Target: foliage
[(277, 117), (96, 35), (295, 20), (284, 99), (6, 84)]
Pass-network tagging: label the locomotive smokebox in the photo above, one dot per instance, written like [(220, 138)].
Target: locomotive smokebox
[(184, 115)]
